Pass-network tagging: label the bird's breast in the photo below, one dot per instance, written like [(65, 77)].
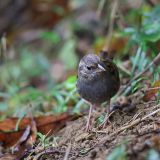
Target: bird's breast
[(95, 91)]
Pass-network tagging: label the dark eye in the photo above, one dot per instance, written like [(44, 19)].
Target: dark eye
[(89, 68)]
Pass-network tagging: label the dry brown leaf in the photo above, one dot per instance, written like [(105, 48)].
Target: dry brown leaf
[(43, 124), (13, 137), (155, 141), (116, 46), (151, 92), (24, 137), (44, 14), (26, 141), (31, 13), (8, 157)]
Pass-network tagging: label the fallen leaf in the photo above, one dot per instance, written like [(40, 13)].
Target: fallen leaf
[(43, 124), (154, 142), (8, 157), (26, 141), (48, 13), (13, 137), (32, 138), (34, 13), (24, 136), (151, 92), (117, 45)]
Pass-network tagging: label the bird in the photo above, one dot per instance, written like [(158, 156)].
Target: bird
[(97, 82)]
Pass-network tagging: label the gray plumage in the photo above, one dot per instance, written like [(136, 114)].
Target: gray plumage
[(98, 78)]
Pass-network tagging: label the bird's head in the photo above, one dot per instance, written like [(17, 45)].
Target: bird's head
[(90, 67)]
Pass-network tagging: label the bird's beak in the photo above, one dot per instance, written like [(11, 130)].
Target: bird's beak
[(101, 67)]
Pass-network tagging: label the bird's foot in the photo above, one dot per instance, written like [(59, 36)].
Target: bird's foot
[(88, 125)]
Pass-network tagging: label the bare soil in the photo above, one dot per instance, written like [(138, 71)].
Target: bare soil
[(138, 129)]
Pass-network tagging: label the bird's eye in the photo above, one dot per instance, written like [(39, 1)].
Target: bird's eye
[(89, 68)]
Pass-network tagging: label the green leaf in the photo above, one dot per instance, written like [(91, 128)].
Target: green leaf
[(70, 83), (119, 153), (153, 155), (150, 26), (151, 32), (3, 106), (67, 54), (51, 36), (78, 106), (58, 10), (101, 119)]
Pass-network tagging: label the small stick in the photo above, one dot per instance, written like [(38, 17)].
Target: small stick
[(123, 69), (149, 132), (48, 151), (135, 122), (100, 7), (111, 23), (67, 152), (154, 88), (151, 3)]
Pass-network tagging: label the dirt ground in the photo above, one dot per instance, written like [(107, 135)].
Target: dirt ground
[(138, 128)]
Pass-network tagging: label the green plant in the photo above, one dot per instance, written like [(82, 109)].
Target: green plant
[(119, 153), (152, 155), (44, 140)]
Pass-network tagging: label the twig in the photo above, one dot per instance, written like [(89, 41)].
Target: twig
[(100, 8), (67, 152), (135, 122), (4, 44), (23, 138), (150, 102), (48, 151), (135, 116), (3, 48), (149, 132), (154, 88), (123, 69), (151, 3), (111, 23), (155, 62)]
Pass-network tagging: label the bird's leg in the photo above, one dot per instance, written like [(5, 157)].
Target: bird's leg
[(89, 117), (106, 119)]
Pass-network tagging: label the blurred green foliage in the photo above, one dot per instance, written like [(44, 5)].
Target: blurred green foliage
[(51, 37), (153, 155), (148, 30), (144, 36), (18, 93), (119, 153), (67, 54)]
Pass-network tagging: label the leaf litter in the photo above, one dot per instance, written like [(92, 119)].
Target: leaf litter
[(137, 129)]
